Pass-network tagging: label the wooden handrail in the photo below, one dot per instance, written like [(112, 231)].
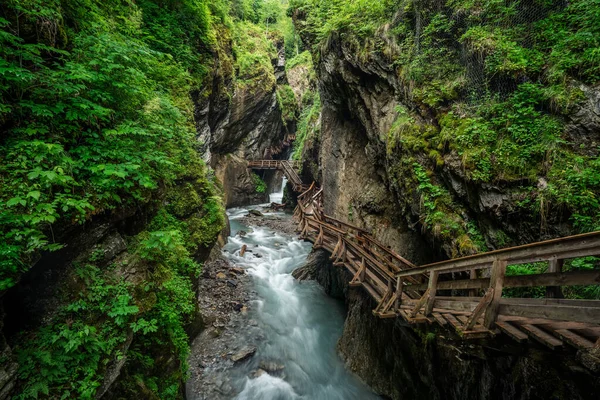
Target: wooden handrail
[(567, 247)]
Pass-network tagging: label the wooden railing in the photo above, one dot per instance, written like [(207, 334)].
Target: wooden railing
[(463, 293), (473, 305)]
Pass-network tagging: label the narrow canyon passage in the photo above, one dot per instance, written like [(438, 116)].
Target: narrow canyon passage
[(293, 326)]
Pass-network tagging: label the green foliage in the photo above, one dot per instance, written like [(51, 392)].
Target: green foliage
[(287, 103), (303, 58), (261, 186), (575, 185), (253, 53), (438, 215), (307, 129), (68, 359), (94, 125), (358, 17), (96, 115), (505, 140), (494, 81)]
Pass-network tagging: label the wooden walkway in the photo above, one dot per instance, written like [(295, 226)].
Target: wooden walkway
[(464, 294), (287, 167)]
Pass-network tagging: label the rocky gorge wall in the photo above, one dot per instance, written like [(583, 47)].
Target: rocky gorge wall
[(385, 165), (240, 118)]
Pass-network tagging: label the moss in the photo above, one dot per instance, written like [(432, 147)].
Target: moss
[(253, 54), (183, 200), (205, 226), (287, 104), (260, 185)]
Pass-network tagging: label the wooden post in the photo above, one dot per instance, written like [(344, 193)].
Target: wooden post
[(363, 270), (433, 278), (496, 283), (554, 292), (399, 290), (473, 275)]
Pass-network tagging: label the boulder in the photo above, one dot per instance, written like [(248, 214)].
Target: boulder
[(243, 354)]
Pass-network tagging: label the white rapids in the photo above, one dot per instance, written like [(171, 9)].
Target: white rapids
[(298, 324)]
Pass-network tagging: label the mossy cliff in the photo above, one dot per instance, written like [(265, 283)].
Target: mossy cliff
[(246, 113), (478, 117), (112, 114), (447, 129)]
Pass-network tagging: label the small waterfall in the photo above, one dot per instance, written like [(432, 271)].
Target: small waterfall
[(277, 197)]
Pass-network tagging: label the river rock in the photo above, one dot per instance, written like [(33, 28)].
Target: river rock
[(232, 282), (221, 275), (243, 354), (238, 271), (256, 213), (270, 366), (258, 373)]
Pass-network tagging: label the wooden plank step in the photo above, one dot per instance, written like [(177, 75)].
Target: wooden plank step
[(541, 336), (389, 314), (403, 314), (453, 321), (512, 331), (440, 320), (574, 339), (372, 292)]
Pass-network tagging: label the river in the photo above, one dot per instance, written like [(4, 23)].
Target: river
[(295, 325)]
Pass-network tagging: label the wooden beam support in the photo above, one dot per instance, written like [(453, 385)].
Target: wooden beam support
[(431, 289), (419, 304), (512, 331), (570, 278), (399, 292), (479, 310), (472, 276), (556, 312), (554, 266), (337, 248), (496, 283), (574, 339)]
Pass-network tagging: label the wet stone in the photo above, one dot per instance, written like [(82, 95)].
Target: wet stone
[(243, 354)]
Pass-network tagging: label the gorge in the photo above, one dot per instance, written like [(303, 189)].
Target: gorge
[(444, 129)]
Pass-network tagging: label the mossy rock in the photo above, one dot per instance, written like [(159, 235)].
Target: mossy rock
[(183, 200)]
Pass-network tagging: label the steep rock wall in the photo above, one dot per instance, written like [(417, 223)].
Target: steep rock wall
[(241, 120), (379, 172)]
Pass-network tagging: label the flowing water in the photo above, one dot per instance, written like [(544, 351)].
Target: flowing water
[(295, 325)]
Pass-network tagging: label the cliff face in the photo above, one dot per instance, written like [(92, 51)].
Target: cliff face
[(400, 361), (471, 154), (240, 118), (361, 99), (401, 164)]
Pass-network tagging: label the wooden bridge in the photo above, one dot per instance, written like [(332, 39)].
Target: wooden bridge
[(464, 294), (287, 167)]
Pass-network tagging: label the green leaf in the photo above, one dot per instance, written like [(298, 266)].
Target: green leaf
[(34, 194), (13, 202)]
